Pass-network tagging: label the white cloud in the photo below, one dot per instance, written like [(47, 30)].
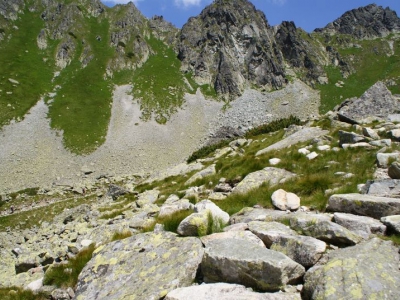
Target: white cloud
[(187, 3)]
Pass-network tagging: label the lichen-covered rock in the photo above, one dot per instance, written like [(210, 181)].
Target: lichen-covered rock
[(218, 214), (364, 205), (239, 235), (393, 223), (145, 266), (237, 261), (327, 231), (304, 250), (270, 175), (369, 270), (363, 226), (225, 291), (249, 214), (147, 197), (177, 170), (270, 232), (170, 208), (303, 135), (194, 225), (210, 170)]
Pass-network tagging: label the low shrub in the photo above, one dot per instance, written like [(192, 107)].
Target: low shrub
[(273, 126), (207, 150)]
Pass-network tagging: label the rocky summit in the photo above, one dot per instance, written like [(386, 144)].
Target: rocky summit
[(229, 159)]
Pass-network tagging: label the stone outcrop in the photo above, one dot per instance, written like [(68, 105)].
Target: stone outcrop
[(366, 271), (370, 21), (223, 49), (364, 205), (162, 261), (377, 101)]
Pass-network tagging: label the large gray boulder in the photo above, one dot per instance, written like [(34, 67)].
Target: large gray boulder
[(225, 291), (145, 266), (304, 250), (238, 235), (303, 135), (326, 231), (254, 180), (364, 205), (384, 188), (237, 261), (147, 197), (363, 226), (369, 270), (270, 232), (393, 223), (377, 101)]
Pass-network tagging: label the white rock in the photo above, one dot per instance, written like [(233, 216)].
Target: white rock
[(285, 201), (324, 148), (274, 161), (215, 211), (304, 151), (35, 286), (312, 155), (86, 243)]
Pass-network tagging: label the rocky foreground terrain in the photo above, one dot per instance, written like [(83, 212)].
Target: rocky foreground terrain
[(247, 224)]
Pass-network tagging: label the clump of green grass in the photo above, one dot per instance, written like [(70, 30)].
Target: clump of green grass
[(83, 111), (395, 238), (214, 225), (112, 214), (172, 222), (16, 293), (159, 83), (235, 202), (273, 126), (66, 275), (29, 192), (120, 235)]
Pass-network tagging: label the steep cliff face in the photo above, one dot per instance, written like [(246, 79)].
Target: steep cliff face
[(305, 54), (230, 46), (365, 22)]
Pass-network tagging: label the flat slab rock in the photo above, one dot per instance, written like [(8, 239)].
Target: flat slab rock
[(254, 180), (145, 266), (225, 291), (364, 205), (393, 223), (383, 188), (300, 136), (249, 214), (361, 225), (369, 270), (237, 261)]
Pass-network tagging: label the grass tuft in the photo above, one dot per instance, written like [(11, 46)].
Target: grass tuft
[(66, 275)]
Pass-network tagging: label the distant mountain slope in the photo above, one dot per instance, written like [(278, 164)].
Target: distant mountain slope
[(72, 53)]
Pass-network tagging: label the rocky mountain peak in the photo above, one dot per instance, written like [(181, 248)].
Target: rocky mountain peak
[(231, 46), (365, 22)]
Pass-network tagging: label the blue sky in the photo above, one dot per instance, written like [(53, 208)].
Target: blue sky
[(307, 14)]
